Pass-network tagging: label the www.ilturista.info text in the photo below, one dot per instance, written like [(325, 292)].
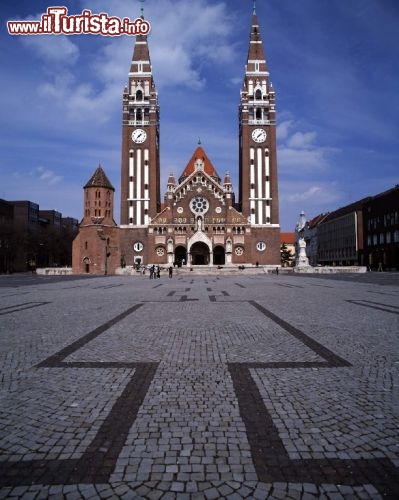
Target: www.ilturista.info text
[(57, 22)]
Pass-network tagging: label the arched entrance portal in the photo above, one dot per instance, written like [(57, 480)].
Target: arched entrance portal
[(219, 256), (199, 254), (180, 256)]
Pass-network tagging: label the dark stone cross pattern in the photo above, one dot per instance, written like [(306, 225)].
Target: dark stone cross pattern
[(271, 460), (376, 305), (21, 307)]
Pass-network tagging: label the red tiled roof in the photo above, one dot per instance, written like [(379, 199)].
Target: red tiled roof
[(99, 179), (199, 154), (288, 238)]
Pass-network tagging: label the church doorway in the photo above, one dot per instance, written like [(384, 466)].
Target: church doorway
[(199, 254), (180, 256), (86, 262), (219, 256)]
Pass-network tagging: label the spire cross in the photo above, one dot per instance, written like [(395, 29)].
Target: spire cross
[(254, 6), (142, 8)]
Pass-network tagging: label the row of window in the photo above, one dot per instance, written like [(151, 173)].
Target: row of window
[(383, 238), (198, 180), (258, 114), (138, 114), (386, 220), (98, 203), (97, 194), (338, 253), (215, 229), (98, 213)]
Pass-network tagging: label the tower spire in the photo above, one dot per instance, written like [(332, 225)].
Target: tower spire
[(140, 172), (142, 8), (258, 197)]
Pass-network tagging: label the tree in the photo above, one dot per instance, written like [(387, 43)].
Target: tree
[(285, 255)]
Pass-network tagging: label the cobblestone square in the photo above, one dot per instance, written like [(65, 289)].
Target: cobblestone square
[(245, 386)]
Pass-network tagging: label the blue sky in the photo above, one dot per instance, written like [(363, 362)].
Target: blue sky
[(334, 65)]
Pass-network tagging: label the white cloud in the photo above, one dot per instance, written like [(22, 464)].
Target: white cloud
[(299, 151), (53, 49), (48, 176), (37, 177), (184, 37), (303, 160), (79, 102), (310, 194), (301, 140), (283, 129), (312, 198)]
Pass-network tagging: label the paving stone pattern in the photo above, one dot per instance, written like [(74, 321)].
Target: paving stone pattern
[(199, 387)]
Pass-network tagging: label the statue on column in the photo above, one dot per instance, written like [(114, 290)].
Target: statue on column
[(301, 260)]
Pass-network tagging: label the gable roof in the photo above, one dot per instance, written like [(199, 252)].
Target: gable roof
[(208, 168)]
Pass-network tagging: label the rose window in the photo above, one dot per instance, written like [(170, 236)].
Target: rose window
[(160, 251), (199, 205), (239, 251)]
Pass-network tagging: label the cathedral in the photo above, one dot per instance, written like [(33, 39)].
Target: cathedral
[(199, 221)]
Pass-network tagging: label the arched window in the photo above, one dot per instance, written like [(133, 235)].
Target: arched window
[(258, 94), (139, 95), (258, 113)]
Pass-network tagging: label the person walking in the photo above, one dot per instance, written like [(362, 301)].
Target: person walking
[(170, 272)]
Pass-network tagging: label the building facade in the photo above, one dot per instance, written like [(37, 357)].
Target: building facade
[(7, 237), (381, 231), (340, 237), (364, 233), (31, 238), (310, 236), (198, 222)]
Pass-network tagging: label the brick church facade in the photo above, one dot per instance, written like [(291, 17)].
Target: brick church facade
[(198, 222)]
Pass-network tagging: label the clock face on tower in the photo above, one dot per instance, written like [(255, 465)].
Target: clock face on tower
[(259, 135), (139, 136)]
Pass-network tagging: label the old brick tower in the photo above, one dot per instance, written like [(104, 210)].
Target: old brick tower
[(198, 222)]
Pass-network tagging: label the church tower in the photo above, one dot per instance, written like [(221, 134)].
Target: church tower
[(95, 248), (140, 170), (98, 200), (258, 184)]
